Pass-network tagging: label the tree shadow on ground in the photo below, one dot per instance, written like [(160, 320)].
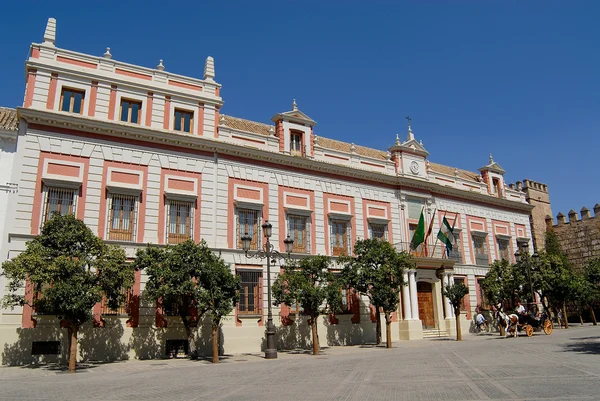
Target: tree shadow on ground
[(585, 345), (103, 344)]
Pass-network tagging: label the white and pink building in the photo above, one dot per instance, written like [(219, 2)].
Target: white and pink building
[(144, 155)]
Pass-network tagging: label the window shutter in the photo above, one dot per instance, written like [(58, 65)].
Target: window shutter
[(74, 207), (370, 231), (348, 238), (331, 237), (237, 239), (307, 229), (110, 215), (192, 210)]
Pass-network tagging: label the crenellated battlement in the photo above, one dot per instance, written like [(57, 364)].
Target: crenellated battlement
[(561, 219)]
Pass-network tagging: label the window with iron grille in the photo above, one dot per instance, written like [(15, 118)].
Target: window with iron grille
[(122, 217), (123, 309), (248, 221), (503, 248), (130, 111), (455, 253), (180, 221), (249, 301), (184, 121), (59, 201), (412, 228), (482, 299), (378, 231), (299, 231), (71, 100), (172, 309), (340, 237)]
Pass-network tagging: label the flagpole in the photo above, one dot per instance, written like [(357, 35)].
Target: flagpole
[(429, 231), (436, 238)]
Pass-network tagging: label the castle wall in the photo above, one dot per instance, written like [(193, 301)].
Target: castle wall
[(579, 238)]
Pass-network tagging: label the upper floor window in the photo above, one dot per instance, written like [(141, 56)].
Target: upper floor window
[(299, 232), (249, 301), (378, 231), (248, 222), (295, 143), (130, 111), (71, 100), (59, 201), (455, 253), (480, 250), (184, 120), (122, 217), (340, 237), (503, 248), (180, 221)]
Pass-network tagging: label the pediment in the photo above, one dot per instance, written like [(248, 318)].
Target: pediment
[(493, 167), (411, 146), (294, 116)]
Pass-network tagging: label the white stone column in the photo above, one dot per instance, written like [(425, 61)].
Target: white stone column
[(406, 299), (451, 283), (414, 302), (447, 306)]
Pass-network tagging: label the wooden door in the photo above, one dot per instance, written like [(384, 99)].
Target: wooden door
[(425, 298)]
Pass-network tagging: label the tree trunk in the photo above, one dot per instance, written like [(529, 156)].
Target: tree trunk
[(565, 315), (378, 326), (388, 330), (594, 322), (458, 329), (73, 329), (315, 336), (215, 343), (580, 318), (192, 351)]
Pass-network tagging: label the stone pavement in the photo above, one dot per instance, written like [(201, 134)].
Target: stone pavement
[(562, 366)]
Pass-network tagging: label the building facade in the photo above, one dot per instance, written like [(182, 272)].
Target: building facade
[(143, 155)]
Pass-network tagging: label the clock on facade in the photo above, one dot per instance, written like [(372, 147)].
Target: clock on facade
[(414, 167)]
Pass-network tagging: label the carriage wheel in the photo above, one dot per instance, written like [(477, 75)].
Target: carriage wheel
[(548, 326), (528, 330)]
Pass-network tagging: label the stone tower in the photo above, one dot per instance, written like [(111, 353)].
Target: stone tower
[(537, 195)]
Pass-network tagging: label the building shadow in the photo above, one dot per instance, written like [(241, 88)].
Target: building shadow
[(584, 345), (103, 344)]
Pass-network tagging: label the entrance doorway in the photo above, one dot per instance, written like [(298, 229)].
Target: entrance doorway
[(425, 298)]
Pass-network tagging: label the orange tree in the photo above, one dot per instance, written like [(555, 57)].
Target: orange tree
[(377, 271), (70, 270)]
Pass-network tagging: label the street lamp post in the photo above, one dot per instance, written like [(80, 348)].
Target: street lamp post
[(268, 252), (523, 258)]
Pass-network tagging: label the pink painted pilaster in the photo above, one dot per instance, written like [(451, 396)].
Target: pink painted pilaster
[(217, 122), (30, 88), (167, 113), (52, 91), (93, 97), (200, 128), (149, 100), (112, 102)]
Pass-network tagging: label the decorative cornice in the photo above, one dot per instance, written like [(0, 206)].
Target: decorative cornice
[(190, 143)]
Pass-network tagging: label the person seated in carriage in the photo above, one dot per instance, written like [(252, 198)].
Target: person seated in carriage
[(521, 313)]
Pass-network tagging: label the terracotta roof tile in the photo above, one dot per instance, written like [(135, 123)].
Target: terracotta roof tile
[(464, 174), (247, 125), (346, 147), (327, 143), (8, 119)]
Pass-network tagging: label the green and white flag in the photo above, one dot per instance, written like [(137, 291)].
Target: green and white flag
[(445, 234)]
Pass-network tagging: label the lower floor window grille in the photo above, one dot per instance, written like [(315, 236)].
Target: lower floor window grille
[(249, 302), (180, 221), (122, 217)]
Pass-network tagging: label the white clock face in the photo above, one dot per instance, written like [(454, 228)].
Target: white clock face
[(414, 167)]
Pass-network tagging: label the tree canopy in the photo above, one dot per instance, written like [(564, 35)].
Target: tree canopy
[(377, 271), (309, 283), (69, 270), (187, 278)]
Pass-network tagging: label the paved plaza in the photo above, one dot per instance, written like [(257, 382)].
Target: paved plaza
[(562, 366)]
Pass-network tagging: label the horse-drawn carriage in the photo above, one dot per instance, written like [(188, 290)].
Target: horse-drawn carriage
[(527, 324)]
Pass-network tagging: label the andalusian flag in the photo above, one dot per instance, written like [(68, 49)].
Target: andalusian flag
[(419, 235), (445, 234)]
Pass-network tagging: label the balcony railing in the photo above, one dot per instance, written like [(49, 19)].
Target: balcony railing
[(432, 251)]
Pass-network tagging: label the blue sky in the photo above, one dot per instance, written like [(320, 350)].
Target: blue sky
[(519, 79)]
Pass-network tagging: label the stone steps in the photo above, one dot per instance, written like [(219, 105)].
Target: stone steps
[(435, 333)]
